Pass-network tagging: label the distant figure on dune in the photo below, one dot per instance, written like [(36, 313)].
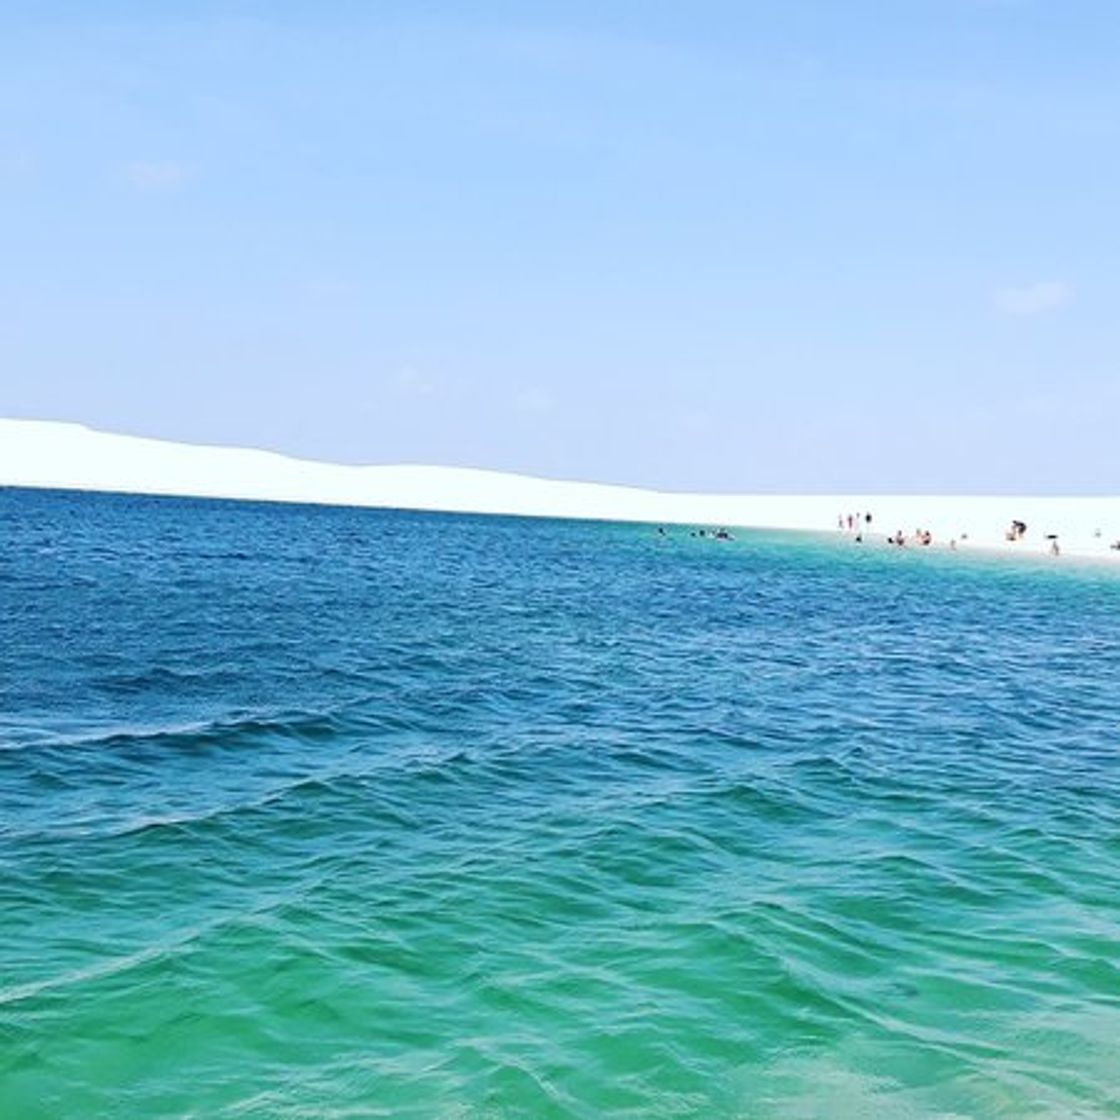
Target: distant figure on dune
[(1017, 531)]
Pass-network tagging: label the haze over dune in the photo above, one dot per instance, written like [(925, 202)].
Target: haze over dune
[(50, 454)]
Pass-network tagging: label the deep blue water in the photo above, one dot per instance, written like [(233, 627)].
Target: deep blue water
[(331, 812)]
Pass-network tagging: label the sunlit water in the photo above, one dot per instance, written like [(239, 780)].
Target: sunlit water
[(310, 812)]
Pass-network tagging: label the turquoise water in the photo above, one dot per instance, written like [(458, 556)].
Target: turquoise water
[(336, 813)]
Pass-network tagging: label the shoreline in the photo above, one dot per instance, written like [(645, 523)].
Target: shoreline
[(38, 454)]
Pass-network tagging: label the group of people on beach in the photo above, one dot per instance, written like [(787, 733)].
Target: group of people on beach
[(855, 523), (858, 523), (1017, 530), (921, 536)]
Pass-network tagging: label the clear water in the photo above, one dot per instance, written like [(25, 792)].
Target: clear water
[(318, 813)]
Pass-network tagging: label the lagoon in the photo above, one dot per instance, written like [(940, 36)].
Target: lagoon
[(312, 811)]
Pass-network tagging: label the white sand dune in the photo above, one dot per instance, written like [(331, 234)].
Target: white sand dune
[(69, 456)]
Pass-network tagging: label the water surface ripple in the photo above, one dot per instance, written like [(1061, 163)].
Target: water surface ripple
[(325, 812)]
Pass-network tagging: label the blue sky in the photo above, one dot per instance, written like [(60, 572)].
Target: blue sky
[(725, 246)]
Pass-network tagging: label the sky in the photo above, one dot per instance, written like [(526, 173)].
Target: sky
[(729, 245)]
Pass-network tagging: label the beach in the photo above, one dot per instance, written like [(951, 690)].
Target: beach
[(45, 454)]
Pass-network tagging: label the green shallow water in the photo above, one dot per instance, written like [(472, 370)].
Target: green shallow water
[(311, 812)]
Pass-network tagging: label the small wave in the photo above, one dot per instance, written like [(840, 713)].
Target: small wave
[(306, 726)]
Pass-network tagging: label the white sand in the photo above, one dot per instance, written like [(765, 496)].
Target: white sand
[(69, 456)]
